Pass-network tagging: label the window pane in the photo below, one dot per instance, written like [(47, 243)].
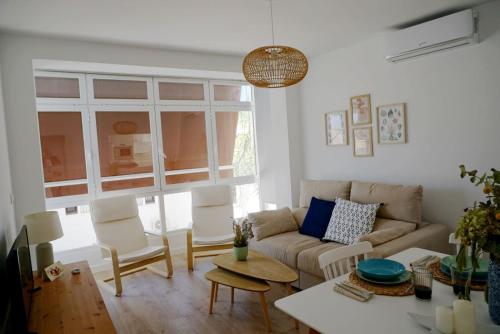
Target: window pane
[(120, 89), (63, 153), (77, 228), (77, 189), (247, 199), (184, 140), (124, 143), (149, 212), (181, 91), (234, 93), (128, 184), (235, 143), (183, 178), (178, 210), (57, 87)]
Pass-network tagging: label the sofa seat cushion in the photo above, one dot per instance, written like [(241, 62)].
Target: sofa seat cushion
[(327, 190), (284, 247), (308, 259), (399, 202)]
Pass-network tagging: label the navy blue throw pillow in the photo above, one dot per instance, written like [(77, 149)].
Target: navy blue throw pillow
[(317, 218)]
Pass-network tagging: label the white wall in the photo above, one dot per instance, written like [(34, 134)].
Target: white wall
[(7, 222), (453, 105), (16, 55)]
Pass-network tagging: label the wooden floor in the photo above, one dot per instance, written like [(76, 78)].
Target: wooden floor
[(153, 304)]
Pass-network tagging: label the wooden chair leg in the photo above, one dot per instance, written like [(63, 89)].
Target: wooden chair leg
[(264, 310), (290, 291), (189, 241), (216, 291), (116, 273), (232, 295), (212, 295), (168, 258)]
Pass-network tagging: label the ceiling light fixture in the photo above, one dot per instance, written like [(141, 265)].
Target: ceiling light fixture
[(274, 66)]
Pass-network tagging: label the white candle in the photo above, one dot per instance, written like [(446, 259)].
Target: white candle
[(464, 317), (444, 319)]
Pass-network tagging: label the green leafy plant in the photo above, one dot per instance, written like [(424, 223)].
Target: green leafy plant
[(479, 227), (240, 236)]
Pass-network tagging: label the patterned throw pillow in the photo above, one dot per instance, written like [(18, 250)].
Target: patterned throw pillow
[(350, 221)]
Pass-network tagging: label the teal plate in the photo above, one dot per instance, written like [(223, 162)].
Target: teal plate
[(400, 279), (381, 269), (481, 274)]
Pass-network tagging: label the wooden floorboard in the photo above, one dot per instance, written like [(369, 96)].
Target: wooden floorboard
[(153, 304)]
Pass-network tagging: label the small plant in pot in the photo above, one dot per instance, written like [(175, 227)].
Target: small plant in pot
[(240, 247)]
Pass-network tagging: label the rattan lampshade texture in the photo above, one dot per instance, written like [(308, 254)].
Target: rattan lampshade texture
[(275, 66)]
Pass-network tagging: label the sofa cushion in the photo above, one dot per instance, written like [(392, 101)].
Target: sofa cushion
[(317, 218), (350, 221), (308, 259), (383, 224), (284, 247), (299, 214), (272, 222), (327, 190), (385, 230), (399, 202)]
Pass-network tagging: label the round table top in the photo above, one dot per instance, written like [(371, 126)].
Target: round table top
[(258, 266), (237, 281)]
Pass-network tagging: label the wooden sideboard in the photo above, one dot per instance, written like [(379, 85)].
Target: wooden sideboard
[(70, 304)]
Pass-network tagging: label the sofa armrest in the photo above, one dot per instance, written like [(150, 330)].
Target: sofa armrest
[(428, 236)]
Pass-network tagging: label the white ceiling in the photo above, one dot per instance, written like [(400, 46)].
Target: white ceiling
[(219, 26)]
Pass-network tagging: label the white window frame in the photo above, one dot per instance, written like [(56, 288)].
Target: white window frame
[(60, 100), (92, 100), (98, 179), (158, 101), (213, 102)]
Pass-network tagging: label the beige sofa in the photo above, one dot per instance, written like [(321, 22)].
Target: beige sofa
[(398, 226)]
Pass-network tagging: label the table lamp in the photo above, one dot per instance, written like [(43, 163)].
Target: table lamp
[(43, 227)]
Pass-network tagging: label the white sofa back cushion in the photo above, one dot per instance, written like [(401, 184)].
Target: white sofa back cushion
[(323, 189)]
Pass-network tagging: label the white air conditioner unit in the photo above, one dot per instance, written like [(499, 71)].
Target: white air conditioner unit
[(444, 33)]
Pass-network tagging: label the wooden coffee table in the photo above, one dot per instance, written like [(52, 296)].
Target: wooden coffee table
[(260, 267)]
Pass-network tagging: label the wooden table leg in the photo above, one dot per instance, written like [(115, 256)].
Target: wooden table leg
[(212, 295), (290, 291), (216, 291), (264, 309), (232, 295)]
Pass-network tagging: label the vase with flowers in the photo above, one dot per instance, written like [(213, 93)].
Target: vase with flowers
[(479, 230), (240, 246)]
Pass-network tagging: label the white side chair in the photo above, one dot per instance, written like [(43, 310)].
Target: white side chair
[(338, 261), (121, 236), (212, 227), (454, 241)]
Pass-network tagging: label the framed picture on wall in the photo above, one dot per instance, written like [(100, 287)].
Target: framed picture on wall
[(391, 122), (361, 111), (363, 142), (336, 128)]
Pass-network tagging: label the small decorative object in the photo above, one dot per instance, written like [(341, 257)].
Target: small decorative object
[(464, 317), (336, 128), (274, 66), (361, 110), (240, 247), (363, 142), (75, 271), (479, 229), (422, 282), (391, 121), (444, 320), (54, 270), (43, 227)]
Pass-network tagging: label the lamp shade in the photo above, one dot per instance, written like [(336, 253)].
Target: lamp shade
[(43, 227)]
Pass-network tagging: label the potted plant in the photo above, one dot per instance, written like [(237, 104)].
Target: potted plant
[(240, 247), (479, 229)]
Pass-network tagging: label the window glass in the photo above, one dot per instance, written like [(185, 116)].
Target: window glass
[(77, 189), (233, 93), (178, 210), (120, 89), (128, 184), (188, 177), (63, 152), (181, 91), (77, 229), (124, 140), (149, 212), (246, 199), (235, 143), (53, 87)]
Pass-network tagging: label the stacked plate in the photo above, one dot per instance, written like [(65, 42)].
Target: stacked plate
[(480, 276), (382, 271)]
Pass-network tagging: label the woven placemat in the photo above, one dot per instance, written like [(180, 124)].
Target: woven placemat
[(400, 290), (441, 277)]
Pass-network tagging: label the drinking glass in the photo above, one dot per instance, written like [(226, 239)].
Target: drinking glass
[(422, 282), (461, 279)]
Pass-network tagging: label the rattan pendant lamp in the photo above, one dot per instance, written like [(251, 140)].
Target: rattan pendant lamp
[(274, 66)]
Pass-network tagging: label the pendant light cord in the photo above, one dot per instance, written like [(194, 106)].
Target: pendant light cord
[(272, 19)]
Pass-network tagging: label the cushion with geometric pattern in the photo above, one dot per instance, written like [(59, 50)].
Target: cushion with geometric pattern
[(349, 221)]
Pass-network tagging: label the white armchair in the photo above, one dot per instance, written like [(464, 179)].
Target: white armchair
[(120, 235), (212, 228)]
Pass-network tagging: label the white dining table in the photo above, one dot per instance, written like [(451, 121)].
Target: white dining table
[(326, 311)]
